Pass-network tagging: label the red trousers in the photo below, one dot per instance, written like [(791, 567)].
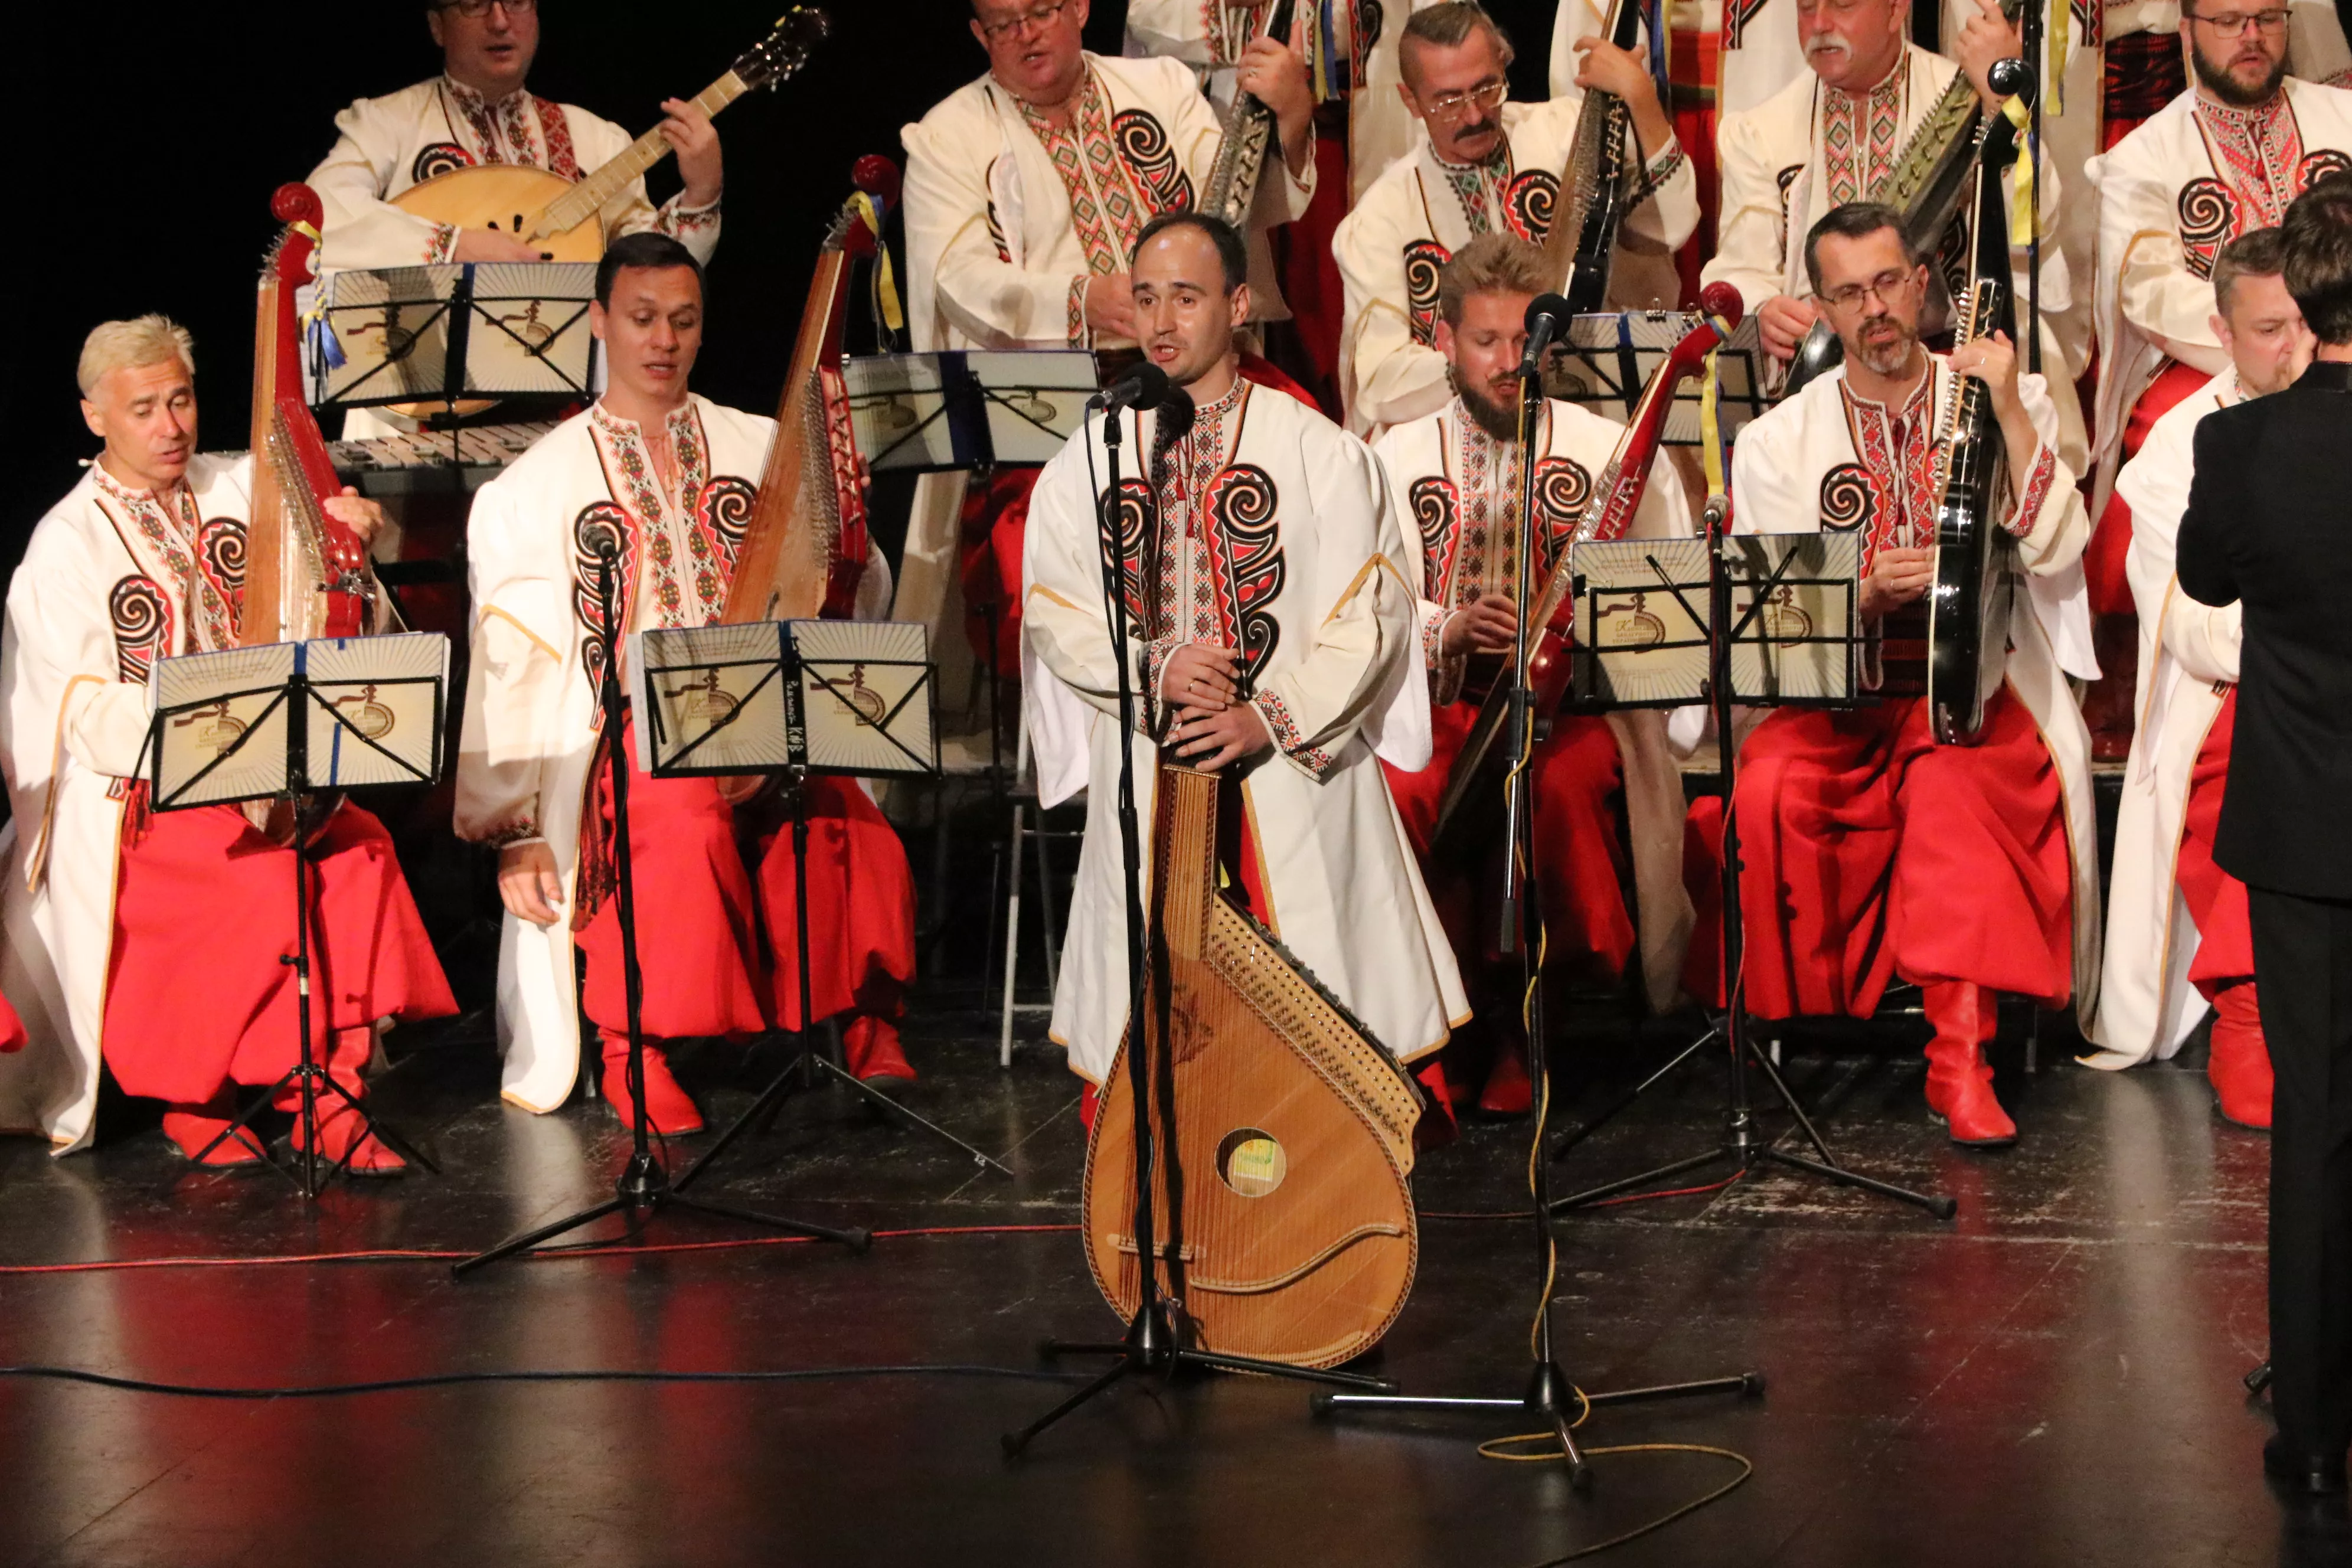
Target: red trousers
[(861, 896), (198, 994), (2216, 900), (1581, 862), (1867, 851)]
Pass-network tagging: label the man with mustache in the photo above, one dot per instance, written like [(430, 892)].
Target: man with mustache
[(2168, 898), (158, 942), (1455, 478), (1868, 851), (1487, 166), (667, 478), (477, 112)]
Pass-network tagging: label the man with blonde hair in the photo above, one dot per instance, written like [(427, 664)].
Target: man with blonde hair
[(115, 946), (1454, 480)]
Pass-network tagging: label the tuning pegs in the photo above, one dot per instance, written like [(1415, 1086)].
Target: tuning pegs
[(1722, 301)]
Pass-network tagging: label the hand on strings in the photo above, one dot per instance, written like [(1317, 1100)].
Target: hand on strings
[(1489, 625), (1273, 71), (688, 129), (1209, 741), (1782, 323), (1985, 38), (493, 244), (1110, 305), (1200, 676), (361, 516), (1896, 578), (1624, 75), (528, 884), (1993, 361)]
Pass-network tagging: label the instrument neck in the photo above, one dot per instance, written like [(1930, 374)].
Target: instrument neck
[(589, 197)]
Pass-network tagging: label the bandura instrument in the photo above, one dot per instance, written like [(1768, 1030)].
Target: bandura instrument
[(1963, 623), (1594, 186), (1616, 496), (804, 545), (1292, 1235), (306, 574), (1249, 136), (560, 216), (1925, 185)]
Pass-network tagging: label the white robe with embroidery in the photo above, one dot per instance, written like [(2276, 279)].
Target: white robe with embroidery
[(2187, 662), (86, 621), (1781, 475), (2163, 211), (1412, 220), (1342, 683), (383, 145)]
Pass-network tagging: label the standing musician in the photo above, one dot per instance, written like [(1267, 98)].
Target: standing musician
[(478, 111), (667, 478), (1454, 479), (1868, 851), (2153, 992), (160, 942), (1487, 166), (1273, 638)]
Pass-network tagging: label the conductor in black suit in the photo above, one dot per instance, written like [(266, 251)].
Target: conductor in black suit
[(2269, 525)]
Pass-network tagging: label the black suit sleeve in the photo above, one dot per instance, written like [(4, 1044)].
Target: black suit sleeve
[(2201, 557)]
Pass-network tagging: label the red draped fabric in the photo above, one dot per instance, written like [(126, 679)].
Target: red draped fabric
[(198, 994), (1867, 852), (2216, 900), (861, 896), (2102, 559), (1310, 273), (2144, 72), (1693, 68)]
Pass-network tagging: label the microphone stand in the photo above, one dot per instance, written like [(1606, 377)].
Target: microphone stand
[(644, 1187), (1152, 1345)]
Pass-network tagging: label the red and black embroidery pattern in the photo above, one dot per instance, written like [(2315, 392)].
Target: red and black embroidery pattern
[(1858, 136), (1563, 490), (220, 546), (142, 620), (1528, 203), (1131, 511), (440, 158), (722, 512), (601, 525), (561, 159), (1143, 142), (1736, 14), (1247, 559), (2208, 215), (1436, 509), (1848, 498), (1425, 262)]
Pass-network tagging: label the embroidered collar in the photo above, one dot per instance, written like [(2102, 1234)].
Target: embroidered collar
[(687, 560), (2251, 122), (1918, 401), (1887, 94), (475, 98), (176, 501), (1215, 412)]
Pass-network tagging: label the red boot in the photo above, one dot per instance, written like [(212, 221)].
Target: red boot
[(344, 1133), (871, 1043), (2239, 1065), (672, 1110), (191, 1128), (1959, 1081), (1508, 1092)]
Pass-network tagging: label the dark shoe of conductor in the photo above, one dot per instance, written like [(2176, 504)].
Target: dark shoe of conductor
[(2303, 1474)]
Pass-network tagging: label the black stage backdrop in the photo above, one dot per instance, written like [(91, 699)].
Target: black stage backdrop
[(152, 177)]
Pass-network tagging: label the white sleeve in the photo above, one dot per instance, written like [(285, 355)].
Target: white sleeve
[(514, 685), (362, 230)]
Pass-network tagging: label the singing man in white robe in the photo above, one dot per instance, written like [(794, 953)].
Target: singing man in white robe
[(477, 113), (1487, 166), (1276, 637), (2178, 932)]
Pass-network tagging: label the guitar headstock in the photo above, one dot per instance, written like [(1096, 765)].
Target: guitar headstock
[(785, 50), (296, 206)]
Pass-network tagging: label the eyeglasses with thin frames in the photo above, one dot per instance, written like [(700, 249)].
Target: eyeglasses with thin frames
[(1887, 286), (1043, 16), (2233, 24), (475, 10), (1453, 106)]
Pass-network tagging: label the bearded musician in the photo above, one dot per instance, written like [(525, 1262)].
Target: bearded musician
[(665, 478), (1273, 640), (1869, 852), (117, 946), (2178, 932), (1455, 478), (478, 111), (1487, 166)]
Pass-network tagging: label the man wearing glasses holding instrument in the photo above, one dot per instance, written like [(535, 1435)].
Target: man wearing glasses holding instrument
[(477, 112), (1487, 166)]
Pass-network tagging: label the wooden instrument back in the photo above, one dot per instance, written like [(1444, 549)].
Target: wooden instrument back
[(1293, 1237), (1590, 205)]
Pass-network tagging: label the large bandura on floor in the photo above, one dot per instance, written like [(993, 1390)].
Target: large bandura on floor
[(2051, 1379)]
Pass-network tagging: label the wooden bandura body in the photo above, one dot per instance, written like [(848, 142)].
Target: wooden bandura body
[(803, 548), (1293, 1237), (1590, 206), (1249, 136)]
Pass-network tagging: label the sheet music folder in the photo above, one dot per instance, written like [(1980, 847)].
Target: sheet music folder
[(449, 331), (968, 409), (828, 697)]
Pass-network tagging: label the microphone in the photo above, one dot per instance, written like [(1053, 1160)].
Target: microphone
[(1547, 319), (1142, 385)]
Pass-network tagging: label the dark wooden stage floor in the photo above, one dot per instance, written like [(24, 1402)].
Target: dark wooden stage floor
[(2051, 1379)]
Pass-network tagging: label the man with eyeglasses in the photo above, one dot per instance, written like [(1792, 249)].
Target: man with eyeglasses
[(1869, 853), (1487, 166), (478, 111)]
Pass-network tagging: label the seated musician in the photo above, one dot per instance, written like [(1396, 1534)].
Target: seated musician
[(1868, 851), (477, 112), (1454, 479), (1026, 191), (1487, 166), (2168, 897), (1280, 649), (1833, 135), (118, 945), (665, 476)]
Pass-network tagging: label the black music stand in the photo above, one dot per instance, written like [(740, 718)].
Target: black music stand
[(1608, 358), (644, 1187), (789, 700), (1152, 1345), (451, 332), (1549, 1396), (270, 723), (1779, 629)]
